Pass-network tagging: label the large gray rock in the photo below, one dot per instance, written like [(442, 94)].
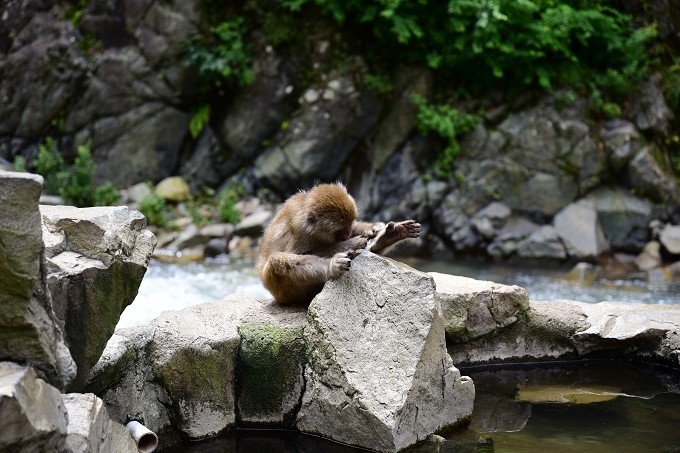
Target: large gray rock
[(40, 75), (96, 258), (379, 375), (90, 430), (645, 174), (318, 138), (565, 329), (650, 109), (624, 217), (183, 367), (32, 412), (579, 228), (29, 329), (542, 243), (473, 308)]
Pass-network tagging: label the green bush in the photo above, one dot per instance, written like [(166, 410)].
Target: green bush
[(226, 205), (106, 195), (51, 166), (153, 208), (509, 44), (72, 182), (220, 56), (76, 182), (447, 123)]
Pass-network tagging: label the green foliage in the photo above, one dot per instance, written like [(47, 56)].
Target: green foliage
[(510, 44), (72, 182), (448, 123), (75, 11), (106, 195), (51, 166), (221, 55), (19, 163), (226, 205), (153, 208), (199, 120), (76, 183), (379, 83)]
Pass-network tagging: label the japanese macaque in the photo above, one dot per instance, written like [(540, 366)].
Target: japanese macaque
[(314, 237)]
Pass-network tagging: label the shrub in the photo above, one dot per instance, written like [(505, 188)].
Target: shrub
[(72, 182), (448, 123), (226, 205), (506, 44), (106, 195), (220, 56), (76, 182), (153, 208)]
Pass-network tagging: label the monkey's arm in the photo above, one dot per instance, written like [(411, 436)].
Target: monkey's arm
[(389, 235), (293, 278), (364, 229)]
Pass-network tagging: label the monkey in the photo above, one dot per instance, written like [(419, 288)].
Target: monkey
[(314, 237)]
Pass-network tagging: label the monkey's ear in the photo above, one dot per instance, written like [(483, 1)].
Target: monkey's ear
[(311, 217)]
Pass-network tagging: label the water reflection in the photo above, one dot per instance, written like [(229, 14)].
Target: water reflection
[(643, 417)]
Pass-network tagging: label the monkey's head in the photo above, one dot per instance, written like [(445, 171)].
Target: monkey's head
[(331, 211)]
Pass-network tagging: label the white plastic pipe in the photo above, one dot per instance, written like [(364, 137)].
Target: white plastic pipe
[(145, 439)]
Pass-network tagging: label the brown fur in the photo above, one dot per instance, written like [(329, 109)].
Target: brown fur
[(313, 238)]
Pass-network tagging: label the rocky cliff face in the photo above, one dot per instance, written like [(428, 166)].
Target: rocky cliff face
[(119, 81)]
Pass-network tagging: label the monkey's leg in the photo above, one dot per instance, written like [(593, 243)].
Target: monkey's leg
[(393, 233), (293, 278)]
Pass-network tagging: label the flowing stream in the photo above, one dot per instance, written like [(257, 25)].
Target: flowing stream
[(174, 286)]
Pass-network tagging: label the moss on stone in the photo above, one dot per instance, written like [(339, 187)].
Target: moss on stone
[(270, 365)]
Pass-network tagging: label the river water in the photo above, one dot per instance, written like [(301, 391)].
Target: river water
[(174, 286)]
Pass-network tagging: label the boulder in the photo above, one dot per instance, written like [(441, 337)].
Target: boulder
[(630, 327), (645, 174), (542, 243), (621, 142), (254, 224), (29, 329), (565, 329), (317, 140), (650, 109), (379, 375), (473, 308), (670, 238), (183, 367), (125, 379), (173, 188), (96, 258), (579, 228), (624, 217), (33, 414), (90, 430), (650, 256)]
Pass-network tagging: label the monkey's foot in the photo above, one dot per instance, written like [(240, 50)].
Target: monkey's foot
[(393, 233)]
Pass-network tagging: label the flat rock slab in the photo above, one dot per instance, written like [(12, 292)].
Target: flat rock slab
[(379, 375), (473, 308)]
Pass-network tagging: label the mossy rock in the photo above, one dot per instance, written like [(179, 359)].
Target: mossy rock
[(270, 379)]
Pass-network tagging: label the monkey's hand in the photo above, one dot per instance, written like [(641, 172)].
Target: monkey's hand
[(339, 264), (392, 233)]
